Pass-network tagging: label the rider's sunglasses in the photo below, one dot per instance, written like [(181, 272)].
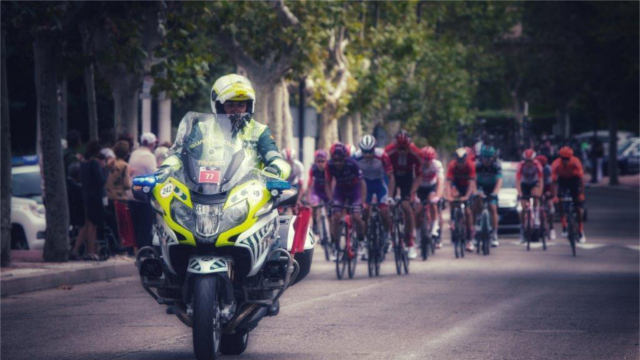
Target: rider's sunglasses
[(321, 161), (403, 149), (564, 158), (338, 160), (367, 152)]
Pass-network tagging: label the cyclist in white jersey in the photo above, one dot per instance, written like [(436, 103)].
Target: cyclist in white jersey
[(431, 189), (296, 177)]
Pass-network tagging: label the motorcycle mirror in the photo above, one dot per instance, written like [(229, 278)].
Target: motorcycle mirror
[(142, 186)]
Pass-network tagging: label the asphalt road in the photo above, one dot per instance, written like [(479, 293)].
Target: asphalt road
[(513, 304)]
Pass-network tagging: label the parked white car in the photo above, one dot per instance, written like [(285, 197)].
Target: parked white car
[(508, 204), (27, 212)]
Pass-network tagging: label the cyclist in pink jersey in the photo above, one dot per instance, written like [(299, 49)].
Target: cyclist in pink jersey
[(529, 182)]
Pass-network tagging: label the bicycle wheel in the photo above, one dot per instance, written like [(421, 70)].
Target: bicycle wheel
[(372, 236), (341, 255), (424, 247), (543, 229), (405, 262), (572, 231), (324, 236), (353, 257), (527, 229), (484, 229)]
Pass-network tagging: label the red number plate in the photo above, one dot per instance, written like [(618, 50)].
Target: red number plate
[(209, 176)]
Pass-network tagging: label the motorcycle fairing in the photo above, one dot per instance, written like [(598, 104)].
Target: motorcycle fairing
[(174, 190), (258, 239)]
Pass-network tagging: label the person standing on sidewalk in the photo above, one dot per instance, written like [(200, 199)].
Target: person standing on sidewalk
[(93, 180), (118, 182), (143, 162)]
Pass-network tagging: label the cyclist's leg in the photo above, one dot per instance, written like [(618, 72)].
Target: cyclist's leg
[(579, 206), (536, 193), (404, 184), (337, 213)]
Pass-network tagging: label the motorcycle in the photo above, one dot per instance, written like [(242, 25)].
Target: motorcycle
[(222, 256)]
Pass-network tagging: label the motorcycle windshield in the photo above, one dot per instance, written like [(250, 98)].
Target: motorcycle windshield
[(213, 157)]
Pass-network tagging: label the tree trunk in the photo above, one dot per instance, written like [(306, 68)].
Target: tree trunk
[(5, 164), (89, 82), (56, 247), (287, 119), (345, 130), (356, 126), (328, 128), (125, 99), (164, 117), (613, 149), (63, 101)]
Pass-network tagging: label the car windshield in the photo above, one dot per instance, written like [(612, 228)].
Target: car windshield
[(214, 158), (26, 184), (509, 178)]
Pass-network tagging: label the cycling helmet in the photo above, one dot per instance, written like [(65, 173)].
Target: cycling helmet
[(338, 151), (320, 154), (232, 87), (428, 153), (542, 160), (368, 143), (529, 155), (487, 151), (565, 152), (461, 154), (403, 139), (477, 148), (288, 154)]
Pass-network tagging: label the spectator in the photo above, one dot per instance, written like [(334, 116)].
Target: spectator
[(93, 180), (143, 162), (76, 206), (128, 138), (161, 154), (118, 183), (72, 153)]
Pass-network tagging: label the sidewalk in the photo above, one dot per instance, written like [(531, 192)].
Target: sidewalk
[(627, 183), (28, 272)]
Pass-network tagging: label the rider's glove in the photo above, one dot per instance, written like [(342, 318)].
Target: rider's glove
[(581, 197), (390, 201)]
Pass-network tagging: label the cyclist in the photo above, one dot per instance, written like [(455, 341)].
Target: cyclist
[(567, 174), (296, 177), (375, 165), (405, 159), (546, 191), (349, 186), (461, 183), (489, 180), (529, 181), (431, 189), (316, 190)]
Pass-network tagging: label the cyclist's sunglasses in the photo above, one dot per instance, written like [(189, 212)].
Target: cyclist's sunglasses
[(338, 160), (368, 152)]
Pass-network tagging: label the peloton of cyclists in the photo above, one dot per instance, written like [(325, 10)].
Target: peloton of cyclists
[(431, 190), (461, 184), (344, 184), (405, 159), (489, 180), (376, 165), (529, 181), (567, 175)]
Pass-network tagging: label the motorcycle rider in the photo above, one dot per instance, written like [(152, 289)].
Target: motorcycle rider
[(233, 95)]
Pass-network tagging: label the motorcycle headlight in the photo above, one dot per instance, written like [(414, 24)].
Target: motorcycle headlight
[(234, 215), (182, 214), (207, 219)]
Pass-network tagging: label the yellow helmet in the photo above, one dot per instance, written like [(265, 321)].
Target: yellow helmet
[(232, 87)]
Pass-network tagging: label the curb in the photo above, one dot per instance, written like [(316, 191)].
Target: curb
[(616, 188), (54, 279)]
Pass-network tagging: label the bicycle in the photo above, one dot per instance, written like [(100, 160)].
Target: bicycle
[(484, 223), (427, 241), (375, 235), (347, 247), (458, 227), (545, 217), (531, 233), (570, 212), (324, 231), (400, 250)]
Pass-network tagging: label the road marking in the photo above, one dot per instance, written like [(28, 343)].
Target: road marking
[(633, 247), (591, 246)]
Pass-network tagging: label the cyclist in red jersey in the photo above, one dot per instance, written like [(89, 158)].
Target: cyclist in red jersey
[(567, 174), (461, 183), (405, 159)]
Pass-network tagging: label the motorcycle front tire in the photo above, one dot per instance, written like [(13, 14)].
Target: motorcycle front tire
[(207, 329)]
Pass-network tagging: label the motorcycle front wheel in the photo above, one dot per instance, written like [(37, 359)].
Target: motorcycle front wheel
[(207, 329)]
